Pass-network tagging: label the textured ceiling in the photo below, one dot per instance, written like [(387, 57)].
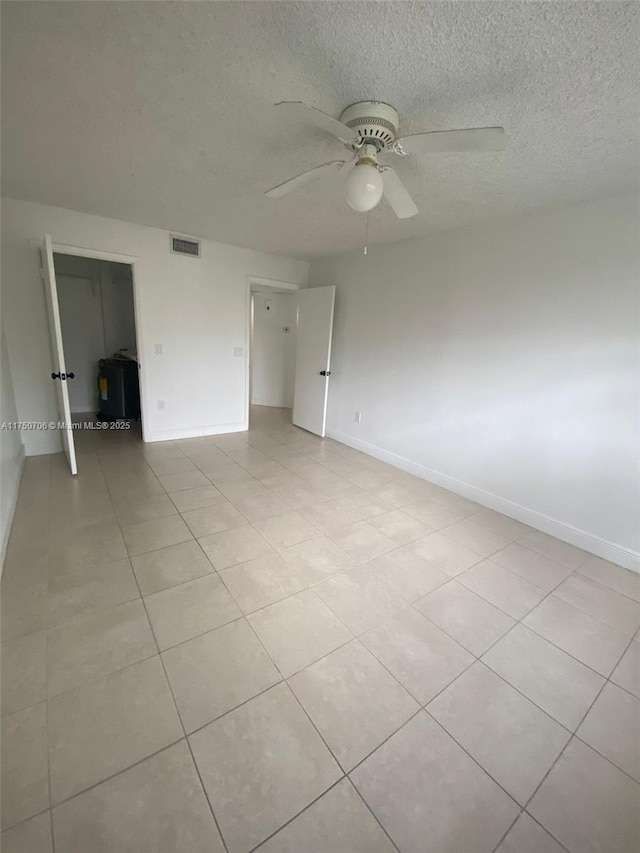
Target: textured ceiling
[(160, 113)]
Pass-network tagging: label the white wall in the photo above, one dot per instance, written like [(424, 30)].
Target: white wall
[(194, 308), (273, 351), (501, 361), (11, 449), (118, 308)]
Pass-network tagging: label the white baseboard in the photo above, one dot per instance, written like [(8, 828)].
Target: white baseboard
[(574, 536), (198, 432), (12, 509)]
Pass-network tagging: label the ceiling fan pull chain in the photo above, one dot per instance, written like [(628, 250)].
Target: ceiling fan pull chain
[(366, 234)]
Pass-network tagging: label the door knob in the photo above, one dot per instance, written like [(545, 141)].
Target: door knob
[(325, 373)]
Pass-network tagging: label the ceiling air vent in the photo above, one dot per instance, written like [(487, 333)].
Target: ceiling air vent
[(185, 246)]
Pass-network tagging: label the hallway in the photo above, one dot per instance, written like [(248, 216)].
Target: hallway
[(270, 640)]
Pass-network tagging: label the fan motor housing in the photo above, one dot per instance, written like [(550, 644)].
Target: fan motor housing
[(375, 122)]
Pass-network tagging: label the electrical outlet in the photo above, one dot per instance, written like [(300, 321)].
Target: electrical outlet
[(158, 349), (357, 416), (161, 405)]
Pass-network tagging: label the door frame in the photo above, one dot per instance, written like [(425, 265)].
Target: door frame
[(274, 284), (130, 260)]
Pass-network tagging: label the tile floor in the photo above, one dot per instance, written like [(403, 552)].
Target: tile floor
[(270, 641)]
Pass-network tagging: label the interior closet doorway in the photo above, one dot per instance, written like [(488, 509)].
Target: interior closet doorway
[(92, 320), (97, 316)]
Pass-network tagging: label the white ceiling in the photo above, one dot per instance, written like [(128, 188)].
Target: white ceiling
[(160, 113)]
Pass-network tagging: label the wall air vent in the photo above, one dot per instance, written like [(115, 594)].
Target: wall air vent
[(185, 246)]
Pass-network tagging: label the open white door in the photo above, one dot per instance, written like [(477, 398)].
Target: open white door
[(60, 371), (313, 358)]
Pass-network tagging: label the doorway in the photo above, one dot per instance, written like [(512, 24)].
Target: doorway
[(97, 316), (272, 354), (289, 333), (92, 319)]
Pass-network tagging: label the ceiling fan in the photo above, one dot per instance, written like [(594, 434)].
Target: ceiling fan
[(368, 129)]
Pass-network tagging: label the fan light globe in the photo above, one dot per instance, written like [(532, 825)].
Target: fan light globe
[(363, 188)]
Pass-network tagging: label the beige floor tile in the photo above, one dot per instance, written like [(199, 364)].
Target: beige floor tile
[(101, 728), (260, 582), (89, 589), (577, 633), (359, 599), (617, 611), (189, 499), (502, 588), (408, 575), (396, 496), (433, 515), (527, 836), (32, 836), (612, 728), (421, 656), (282, 531), (158, 570), (364, 504), (353, 702), (25, 785), (627, 673), (500, 524), (466, 617), (445, 554), (153, 535), (91, 646), (614, 577), (144, 509), (127, 486), (259, 504), (476, 536), (298, 497), (214, 673), (248, 487), (24, 671), (331, 515), (511, 738), (399, 526), (186, 480), (588, 804), (23, 609), (177, 465), (260, 765), (158, 806), (338, 821), (223, 475), (213, 519), (531, 566), (362, 541), (557, 683), (185, 611), (97, 546), (234, 546), (554, 549), (429, 795), (317, 559), (298, 630)]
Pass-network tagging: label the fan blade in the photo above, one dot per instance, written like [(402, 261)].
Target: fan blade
[(292, 183), (397, 194), (441, 141), (298, 111)]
